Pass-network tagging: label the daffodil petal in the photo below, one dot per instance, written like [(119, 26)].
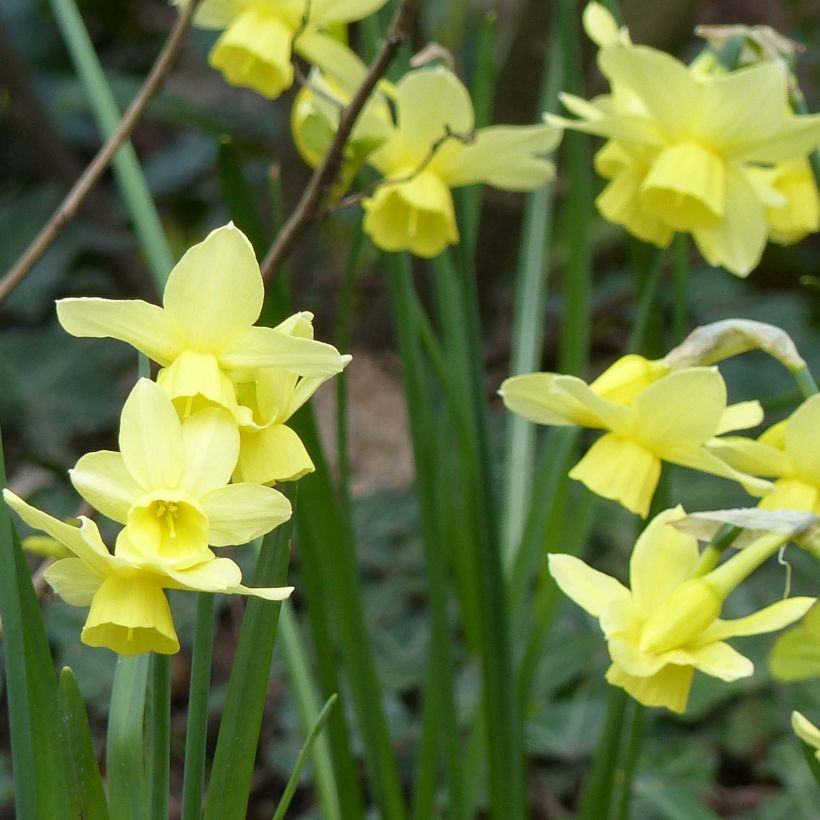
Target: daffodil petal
[(621, 470), (131, 616), (430, 103), (216, 575), (805, 730), (685, 406), (626, 127), (210, 441), (740, 416), (342, 11), (272, 454), (791, 494), (803, 439), (507, 157), (736, 242), (628, 657), (215, 291), (669, 687), (769, 619), (590, 589), (627, 377), (797, 137), (719, 660), (265, 347), (213, 14), (662, 559), (699, 458), (326, 52), (239, 513), (148, 328), (73, 580), (151, 437), (193, 374), (268, 593), (103, 480), (750, 456)]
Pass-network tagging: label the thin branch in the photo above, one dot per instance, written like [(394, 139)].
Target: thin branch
[(310, 206), (83, 186)]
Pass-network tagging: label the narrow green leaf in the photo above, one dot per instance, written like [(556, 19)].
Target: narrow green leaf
[(82, 771), (159, 734), (127, 786), (302, 759), (232, 768), (40, 789)]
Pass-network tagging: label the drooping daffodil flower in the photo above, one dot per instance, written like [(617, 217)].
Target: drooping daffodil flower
[(789, 452), (799, 215), (204, 334), (650, 414), (807, 732), (129, 610), (169, 484), (685, 148), (796, 654), (432, 149), (270, 451), (667, 624), (259, 37)]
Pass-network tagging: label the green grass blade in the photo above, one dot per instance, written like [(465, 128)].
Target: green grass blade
[(235, 753), (302, 759), (127, 787), (307, 704), (196, 735), (82, 771), (40, 789), (130, 178), (159, 734)]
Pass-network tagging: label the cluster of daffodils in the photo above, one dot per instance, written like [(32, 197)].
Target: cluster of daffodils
[(675, 410), (199, 448), (698, 149)]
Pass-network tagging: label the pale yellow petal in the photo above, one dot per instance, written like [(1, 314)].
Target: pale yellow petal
[(332, 57), (740, 416), (272, 454), (796, 654), (796, 138), (73, 580), (509, 157), (625, 127), (215, 291), (792, 494), (239, 513), (737, 241), (264, 347), (621, 470), (669, 687), (151, 437), (103, 480), (193, 377), (719, 660), (769, 619), (699, 458), (148, 328), (210, 441), (662, 559), (343, 11), (254, 52), (431, 102), (215, 14), (685, 406), (590, 589), (600, 26), (268, 593), (215, 575), (627, 656), (803, 440), (750, 456), (805, 730), (627, 377), (131, 616)]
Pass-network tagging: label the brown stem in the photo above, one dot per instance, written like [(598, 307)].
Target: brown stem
[(83, 186), (310, 206)]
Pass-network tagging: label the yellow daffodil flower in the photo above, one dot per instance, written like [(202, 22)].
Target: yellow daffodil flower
[(666, 625), (806, 731), (686, 147), (650, 415), (168, 484), (789, 451), (796, 655), (799, 216), (433, 149), (204, 334), (270, 451), (129, 611), (259, 37)]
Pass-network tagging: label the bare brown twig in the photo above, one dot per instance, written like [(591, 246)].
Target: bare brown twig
[(311, 205), (83, 186)]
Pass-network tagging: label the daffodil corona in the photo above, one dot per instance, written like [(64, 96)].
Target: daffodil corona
[(667, 624)]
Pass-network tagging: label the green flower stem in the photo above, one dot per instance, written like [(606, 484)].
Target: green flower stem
[(680, 275), (710, 556), (312, 719), (440, 713), (40, 789), (810, 755), (159, 734), (743, 563), (596, 801), (626, 773), (458, 307), (133, 186), (575, 332), (528, 330), (301, 761), (805, 381), (638, 339), (127, 788), (196, 735)]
